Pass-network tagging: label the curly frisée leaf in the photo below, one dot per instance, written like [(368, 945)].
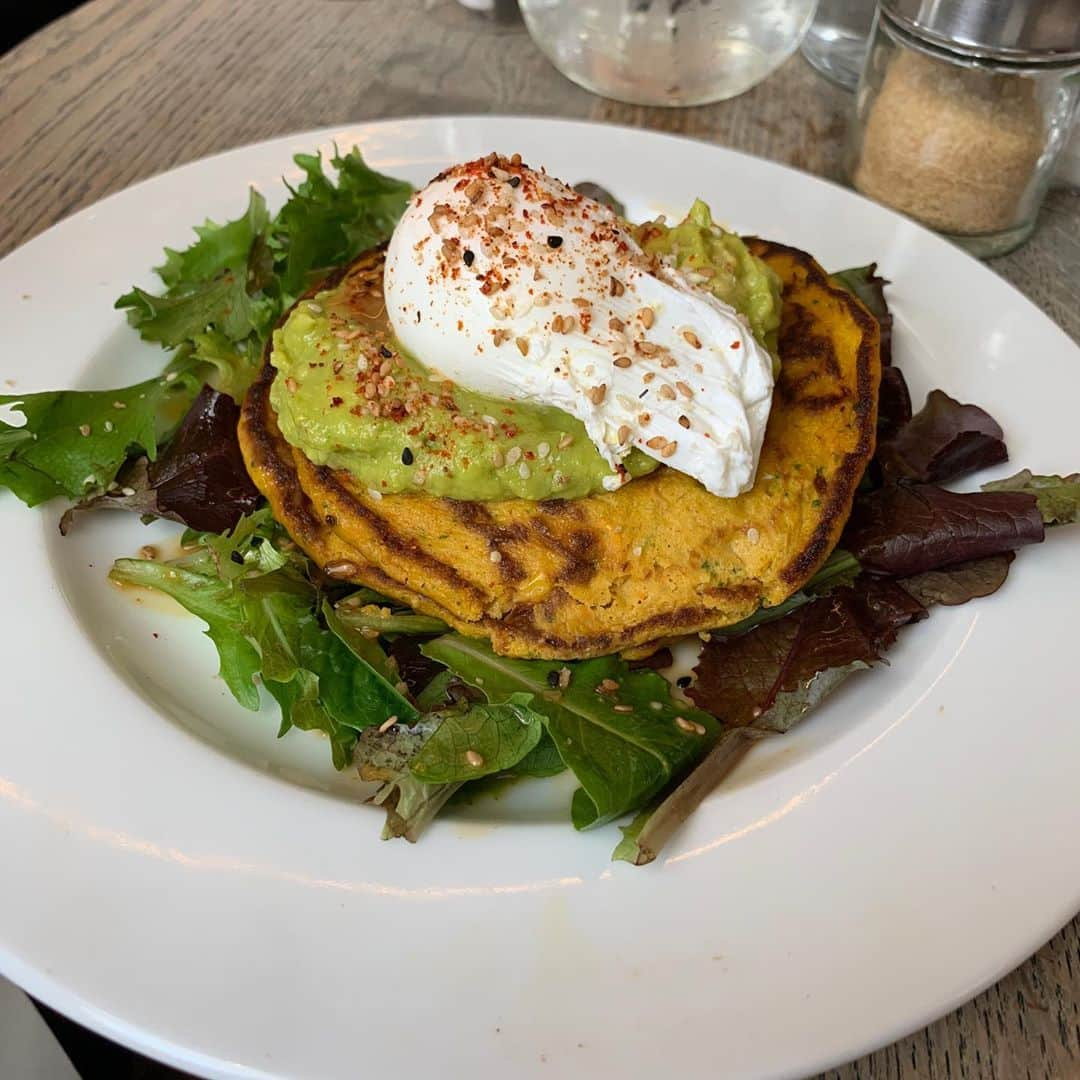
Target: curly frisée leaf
[(262, 613)]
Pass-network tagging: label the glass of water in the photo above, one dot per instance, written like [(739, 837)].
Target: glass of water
[(836, 42), (667, 52)]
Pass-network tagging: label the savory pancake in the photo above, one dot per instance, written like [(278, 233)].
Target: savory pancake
[(617, 570)]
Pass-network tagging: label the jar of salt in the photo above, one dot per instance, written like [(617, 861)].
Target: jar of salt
[(961, 111)]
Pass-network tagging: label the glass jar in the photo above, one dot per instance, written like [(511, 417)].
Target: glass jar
[(667, 52), (960, 129)]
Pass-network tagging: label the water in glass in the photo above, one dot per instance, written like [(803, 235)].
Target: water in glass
[(667, 52)]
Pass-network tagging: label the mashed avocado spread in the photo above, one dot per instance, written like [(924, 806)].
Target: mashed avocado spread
[(718, 260), (349, 397)]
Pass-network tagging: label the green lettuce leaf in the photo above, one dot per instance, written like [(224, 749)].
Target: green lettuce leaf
[(1057, 497), (383, 757), (324, 224), (74, 442), (251, 588), (479, 741), (623, 746)]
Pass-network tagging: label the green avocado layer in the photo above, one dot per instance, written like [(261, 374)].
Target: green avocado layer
[(350, 399)]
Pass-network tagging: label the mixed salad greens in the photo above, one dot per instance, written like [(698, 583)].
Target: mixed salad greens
[(420, 710)]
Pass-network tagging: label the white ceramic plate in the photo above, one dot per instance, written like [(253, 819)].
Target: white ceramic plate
[(176, 878)]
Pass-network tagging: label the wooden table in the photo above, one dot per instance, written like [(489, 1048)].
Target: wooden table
[(122, 89)]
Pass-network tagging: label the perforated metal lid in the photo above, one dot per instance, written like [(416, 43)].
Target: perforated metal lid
[(1017, 31)]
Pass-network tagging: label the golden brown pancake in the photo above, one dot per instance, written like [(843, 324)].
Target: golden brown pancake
[(615, 571)]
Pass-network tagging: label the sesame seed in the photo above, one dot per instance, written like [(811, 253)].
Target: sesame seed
[(636, 551), (617, 287), (108, 426), (565, 441), (118, 405), (513, 455), (657, 442), (624, 433), (684, 390), (606, 686), (598, 393), (669, 449), (623, 708), (84, 429), (554, 241), (691, 338), (170, 376), (497, 458), (691, 727), (646, 348), (667, 393), (315, 309), (523, 345), (495, 556), (524, 471), (419, 478), (543, 449), (756, 711), (474, 759), (622, 361), (648, 376), (753, 535), (564, 678), (387, 724), (616, 325), (291, 385), (684, 421), (341, 569), (656, 706), (647, 316), (500, 337), (644, 419)]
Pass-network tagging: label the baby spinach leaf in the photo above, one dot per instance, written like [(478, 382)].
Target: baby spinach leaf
[(623, 742), (74, 441), (479, 741), (1058, 497)]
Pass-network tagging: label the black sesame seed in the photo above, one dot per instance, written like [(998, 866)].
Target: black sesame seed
[(384, 352), (683, 681), (467, 257), (514, 181), (554, 241), (236, 558), (406, 456), (256, 541), (553, 679)]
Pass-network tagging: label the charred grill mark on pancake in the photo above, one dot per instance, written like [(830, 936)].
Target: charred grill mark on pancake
[(402, 546), (847, 476), (681, 620), (579, 549), (476, 517)]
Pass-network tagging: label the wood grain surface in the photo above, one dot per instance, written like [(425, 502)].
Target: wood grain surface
[(122, 89)]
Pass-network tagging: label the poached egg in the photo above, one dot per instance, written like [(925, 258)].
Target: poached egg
[(510, 283)]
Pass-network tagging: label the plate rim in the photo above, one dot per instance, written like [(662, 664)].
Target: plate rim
[(54, 993)]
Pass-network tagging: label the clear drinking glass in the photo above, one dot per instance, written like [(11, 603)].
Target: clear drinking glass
[(667, 52), (836, 42)]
